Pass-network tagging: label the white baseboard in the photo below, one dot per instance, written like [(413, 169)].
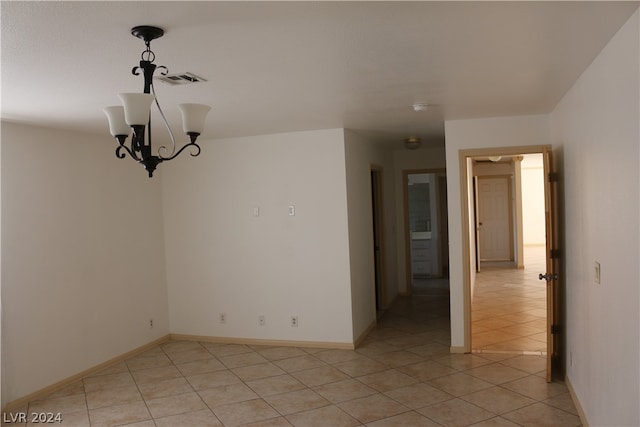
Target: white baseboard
[(45, 391), (257, 341), (576, 402)]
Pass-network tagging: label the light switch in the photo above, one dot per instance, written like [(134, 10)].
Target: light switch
[(256, 211), (596, 272)]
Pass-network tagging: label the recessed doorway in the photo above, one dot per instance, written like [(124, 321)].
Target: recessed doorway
[(509, 301), (426, 232), (487, 327)]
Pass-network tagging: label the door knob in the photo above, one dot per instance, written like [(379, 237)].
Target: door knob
[(547, 276)]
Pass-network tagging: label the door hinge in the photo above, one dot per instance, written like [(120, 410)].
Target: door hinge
[(555, 329), (554, 177), (554, 254)]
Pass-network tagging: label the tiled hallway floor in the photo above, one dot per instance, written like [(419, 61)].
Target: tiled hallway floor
[(510, 307), (403, 375)]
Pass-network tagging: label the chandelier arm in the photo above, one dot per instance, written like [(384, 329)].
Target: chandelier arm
[(166, 124), (193, 154), (121, 155)]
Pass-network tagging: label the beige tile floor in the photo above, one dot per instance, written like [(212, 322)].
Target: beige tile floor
[(402, 375), (509, 307)]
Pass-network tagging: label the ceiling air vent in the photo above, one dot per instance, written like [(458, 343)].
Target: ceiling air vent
[(181, 78)]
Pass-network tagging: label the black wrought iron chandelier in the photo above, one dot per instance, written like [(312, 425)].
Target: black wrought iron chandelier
[(135, 114)]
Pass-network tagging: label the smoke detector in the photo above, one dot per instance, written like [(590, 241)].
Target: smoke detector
[(181, 78)]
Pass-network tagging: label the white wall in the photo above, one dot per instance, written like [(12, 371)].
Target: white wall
[(223, 259), (1, 314), (533, 200), (596, 123), (468, 134), (82, 256), (360, 154), (425, 158)]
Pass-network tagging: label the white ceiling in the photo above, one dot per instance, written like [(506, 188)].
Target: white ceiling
[(286, 66)]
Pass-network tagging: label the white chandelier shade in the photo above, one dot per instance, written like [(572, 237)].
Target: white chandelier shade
[(193, 116), (117, 124), (136, 107)]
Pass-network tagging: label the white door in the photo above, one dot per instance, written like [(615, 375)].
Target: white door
[(494, 219)]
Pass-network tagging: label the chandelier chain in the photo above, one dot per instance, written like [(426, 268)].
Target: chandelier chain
[(150, 56)]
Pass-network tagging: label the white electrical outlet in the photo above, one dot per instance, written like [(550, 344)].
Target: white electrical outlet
[(261, 320), (150, 323), (292, 210), (294, 321), (223, 317)]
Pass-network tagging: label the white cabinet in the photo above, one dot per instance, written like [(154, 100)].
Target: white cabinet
[(422, 256)]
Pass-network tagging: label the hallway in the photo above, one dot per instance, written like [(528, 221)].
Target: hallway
[(402, 375)]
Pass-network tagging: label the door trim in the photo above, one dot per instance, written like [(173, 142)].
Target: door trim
[(377, 209), (464, 157)]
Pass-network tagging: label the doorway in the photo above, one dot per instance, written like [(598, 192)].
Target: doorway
[(426, 231), (507, 307)]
